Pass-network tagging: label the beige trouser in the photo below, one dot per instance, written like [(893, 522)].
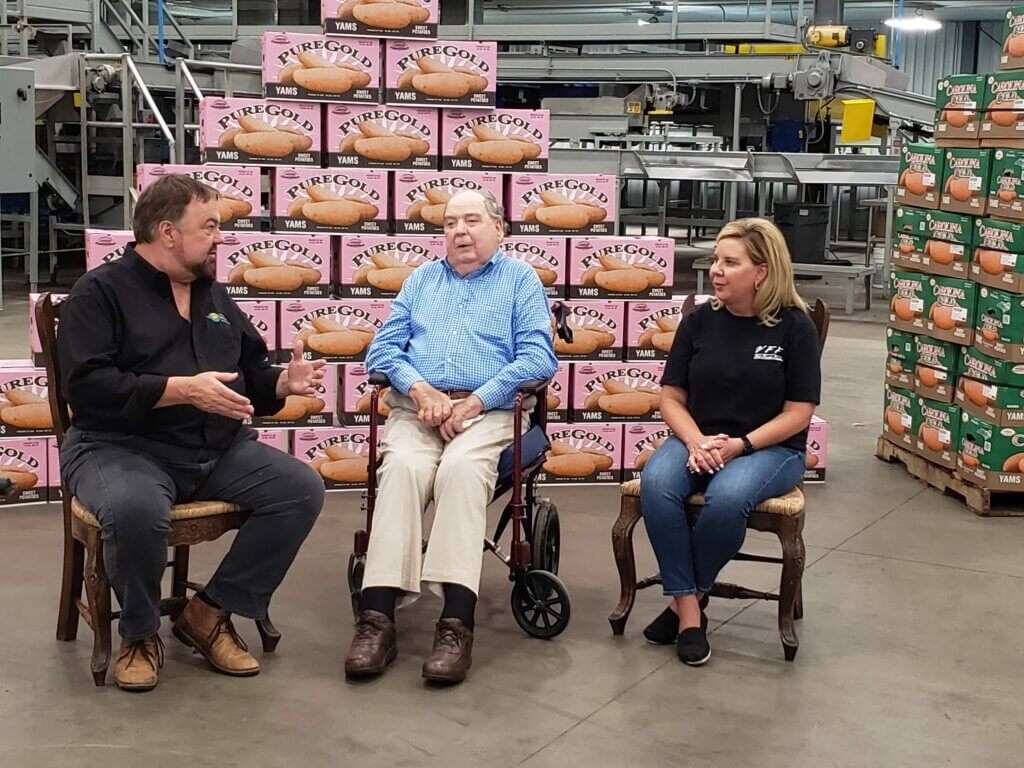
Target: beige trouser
[(417, 466)]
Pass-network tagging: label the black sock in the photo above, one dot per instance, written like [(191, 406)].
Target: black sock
[(380, 599), (209, 600), (459, 603)]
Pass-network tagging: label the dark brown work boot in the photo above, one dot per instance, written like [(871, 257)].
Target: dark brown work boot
[(453, 652), (209, 631), (138, 664), (374, 645)]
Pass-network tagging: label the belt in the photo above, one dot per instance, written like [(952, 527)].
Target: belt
[(457, 394)]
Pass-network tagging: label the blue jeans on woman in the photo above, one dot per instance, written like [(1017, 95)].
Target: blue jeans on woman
[(690, 559)]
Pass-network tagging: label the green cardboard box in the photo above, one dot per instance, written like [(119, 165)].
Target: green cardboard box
[(999, 325), (1012, 55), (899, 422), (950, 227), (938, 431), (999, 255), (1002, 124), (908, 251), (920, 181), (899, 365), (913, 221), (936, 369), (976, 364), (1006, 185), (997, 404), (965, 186), (908, 308), (957, 111), (952, 303), (990, 455)]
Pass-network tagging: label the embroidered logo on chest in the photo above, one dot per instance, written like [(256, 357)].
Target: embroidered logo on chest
[(769, 352)]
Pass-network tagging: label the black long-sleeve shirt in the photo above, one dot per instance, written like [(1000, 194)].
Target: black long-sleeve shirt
[(121, 338)]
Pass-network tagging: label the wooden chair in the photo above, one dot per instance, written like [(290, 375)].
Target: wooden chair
[(783, 516), (191, 524)]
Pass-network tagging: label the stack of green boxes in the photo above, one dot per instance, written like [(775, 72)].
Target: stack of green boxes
[(955, 373)]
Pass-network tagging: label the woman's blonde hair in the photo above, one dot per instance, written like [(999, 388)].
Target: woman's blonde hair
[(766, 245)]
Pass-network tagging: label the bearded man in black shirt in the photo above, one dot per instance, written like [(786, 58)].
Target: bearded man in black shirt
[(160, 370)]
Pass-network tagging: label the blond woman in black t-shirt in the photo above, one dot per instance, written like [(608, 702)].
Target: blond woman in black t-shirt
[(738, 392)]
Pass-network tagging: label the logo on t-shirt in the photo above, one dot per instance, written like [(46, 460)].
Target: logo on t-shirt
[(769, 352)]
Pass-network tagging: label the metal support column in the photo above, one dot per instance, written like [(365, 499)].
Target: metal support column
[(179, 111), (83, 128), (33, 241), (737, 109), (127, 148)]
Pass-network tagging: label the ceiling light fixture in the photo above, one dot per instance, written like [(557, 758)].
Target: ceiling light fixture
[(916, 23)]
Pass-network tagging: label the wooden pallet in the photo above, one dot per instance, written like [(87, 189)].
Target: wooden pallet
[(978, 500)]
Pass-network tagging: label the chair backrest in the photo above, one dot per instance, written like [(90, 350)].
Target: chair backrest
[(820, 317), (47, 316)]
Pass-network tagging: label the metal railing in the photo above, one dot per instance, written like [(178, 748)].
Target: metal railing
[(139, 31)]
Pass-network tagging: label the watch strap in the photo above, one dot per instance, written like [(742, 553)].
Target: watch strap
[(748, 447)]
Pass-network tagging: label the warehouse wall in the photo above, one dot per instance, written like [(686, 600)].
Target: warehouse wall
[(926, 58)]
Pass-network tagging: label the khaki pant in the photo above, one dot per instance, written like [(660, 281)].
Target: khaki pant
[(460, 476)]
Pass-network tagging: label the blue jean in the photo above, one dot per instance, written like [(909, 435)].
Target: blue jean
[(691, 559)]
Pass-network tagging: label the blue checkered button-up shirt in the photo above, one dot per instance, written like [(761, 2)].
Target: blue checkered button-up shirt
[(487, 333)]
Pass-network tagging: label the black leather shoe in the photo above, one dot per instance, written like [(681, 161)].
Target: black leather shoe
[(665, 628), (374, 645), (453, 652)]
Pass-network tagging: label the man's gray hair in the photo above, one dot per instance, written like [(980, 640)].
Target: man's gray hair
[(491, 204)]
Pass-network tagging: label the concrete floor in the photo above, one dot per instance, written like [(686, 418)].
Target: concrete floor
[(909, 650)]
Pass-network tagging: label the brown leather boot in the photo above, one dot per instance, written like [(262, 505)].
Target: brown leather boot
[(138, 664), (209, 631), (374, 645), (453, 652)]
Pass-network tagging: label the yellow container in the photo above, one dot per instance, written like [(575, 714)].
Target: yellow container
[(881, 43), (858, 118)]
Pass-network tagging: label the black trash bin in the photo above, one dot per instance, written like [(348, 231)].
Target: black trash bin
[(805, 228)]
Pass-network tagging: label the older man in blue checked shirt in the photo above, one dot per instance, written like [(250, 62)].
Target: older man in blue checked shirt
[(464, 333)]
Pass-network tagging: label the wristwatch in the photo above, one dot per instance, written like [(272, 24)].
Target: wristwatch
[(748, 447)]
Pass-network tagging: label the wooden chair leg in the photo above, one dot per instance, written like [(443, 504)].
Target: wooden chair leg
[(268, 634), (798, 608), (179, 579), (625, 561), (792, 573), (70, 588), (97, 590)]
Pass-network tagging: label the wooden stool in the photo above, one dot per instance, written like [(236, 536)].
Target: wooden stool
[(783, 516)]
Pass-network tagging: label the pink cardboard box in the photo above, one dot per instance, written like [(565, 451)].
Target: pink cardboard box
[(330, 201), (262, 265), (33, 330), (495, 140), (602, 442), (547, 255), (259, 132), (103, 245), (621, 267), (313, 411), (562, 204), (355, 397), (417, 19), (241, 209), (340, 455), (441, 73), (382, 137), (599, 331), (54, 489), (639, 443), (420, 197), (23, 461), (558, 394), (651, 327), (367, 263), (319, 68), (817, 451), (336, 330), (616, 391), (24, 407), (263, 316), (275, 438)]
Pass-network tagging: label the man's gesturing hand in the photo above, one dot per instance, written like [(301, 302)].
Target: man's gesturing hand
[(301, 376), (208, 392), (462, 412), (433, 407)]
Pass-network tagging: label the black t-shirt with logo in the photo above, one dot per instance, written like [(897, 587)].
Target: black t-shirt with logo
[(738, 373)]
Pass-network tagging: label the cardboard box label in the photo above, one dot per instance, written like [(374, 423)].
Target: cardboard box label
[(1000, 324), (339, 330), (319, 68), (899, 424), (330, 201), (23, 462), (105, 245), (562, 204), (640, 441), (441, 73), (598, 331), (902, 345), (263, 316), (340, 456), (621, 267), (314, 411), (910, 295), (376, 266), (952, 306), (938, 432), (966, 174), (651, 327), (592, 453), (816, 458), (421, 197), (547, 255), (382, 137), (990, 454), (417, 19), (495, 140), (24, 403), (1006, 184), (910, 220), (260, 265), (240, 204), (259, 132), (608, 392), (920, 179), (275, 438)]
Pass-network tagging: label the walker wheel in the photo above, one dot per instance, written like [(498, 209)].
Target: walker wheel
[(540, 604)]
